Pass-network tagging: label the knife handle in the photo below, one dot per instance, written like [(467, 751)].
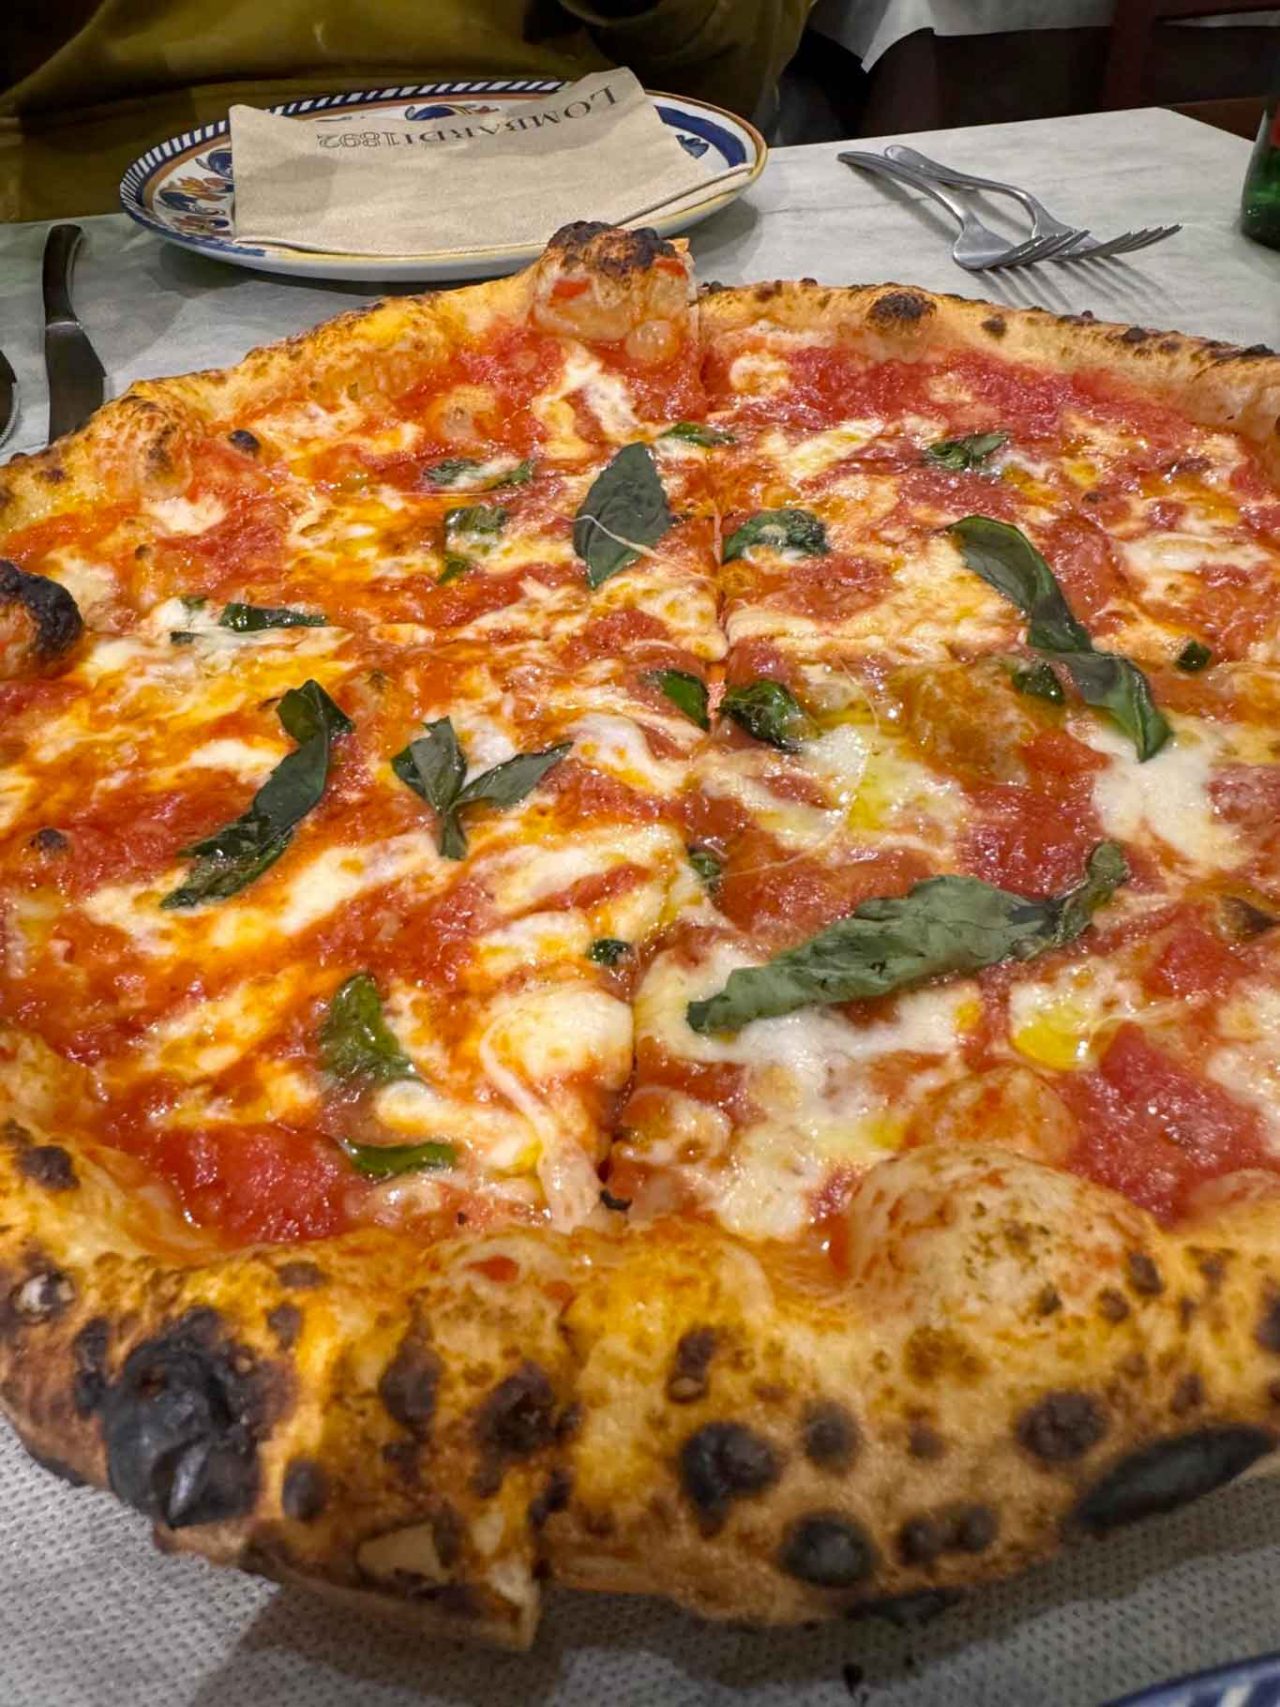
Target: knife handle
[(59, 254)]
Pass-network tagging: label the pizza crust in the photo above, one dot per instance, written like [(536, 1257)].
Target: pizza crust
[(1015, 1357)]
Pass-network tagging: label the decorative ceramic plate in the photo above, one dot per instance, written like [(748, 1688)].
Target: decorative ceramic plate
[(184, 190), (1249, 1683)]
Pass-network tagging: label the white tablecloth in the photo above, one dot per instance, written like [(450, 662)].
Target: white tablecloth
[(90, 1616), (869, 28)]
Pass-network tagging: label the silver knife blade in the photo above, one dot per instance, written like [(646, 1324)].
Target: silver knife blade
[(77, 379), (8, 398)]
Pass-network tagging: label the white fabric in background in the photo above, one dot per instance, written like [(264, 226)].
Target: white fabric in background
[(869, 28)]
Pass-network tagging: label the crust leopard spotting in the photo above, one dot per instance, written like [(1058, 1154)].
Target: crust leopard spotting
[(447, 1440)]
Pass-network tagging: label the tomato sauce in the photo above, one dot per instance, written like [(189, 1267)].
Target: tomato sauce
[(1154, 1130)]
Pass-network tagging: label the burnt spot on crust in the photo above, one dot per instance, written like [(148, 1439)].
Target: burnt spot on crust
[(688, 1378), (182, 1423), (909, 1611), (408, 1385), (54, 614), (828, 1551), (300, 1275), (285, 1322), (553, 1497), (723, 1462), (48, 1165), (995, 326), (829, 1436), (607, 249), (899, 308), (89, 1365), (304, 1491), (1168, 1474), (515, 1421), (1135, 335), (1113, 1306), (924, 1441), (1267, 1332), (244, 440), (1144, 1277), (49, 841), (1061, 1427), (958, 1529)]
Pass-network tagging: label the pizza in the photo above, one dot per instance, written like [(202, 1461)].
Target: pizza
[(638, 942)]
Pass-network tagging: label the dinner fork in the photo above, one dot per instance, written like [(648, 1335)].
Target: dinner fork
[(1043, 223), (8, 398), (976, 247)]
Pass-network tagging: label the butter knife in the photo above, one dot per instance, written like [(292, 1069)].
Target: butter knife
[(76, 377), (8, 398)]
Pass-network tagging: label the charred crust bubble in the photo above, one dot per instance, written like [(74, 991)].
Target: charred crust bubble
[(182, 1423), (723, 1462), (518, 1417), (828, 1551), (995, 326), (1113, 1306), (1061, 1427), (285, 1322), (49, 841), (1144, 1276), (1135, 335), (409, 1383), (48, 1165), (300, 1275), (828, 1435), (958, 1529), (899, 308), (688, 1378), (89, 1365), (53, 611), (605, 249), (1169, 1473), (244, 440), (304, 1491)]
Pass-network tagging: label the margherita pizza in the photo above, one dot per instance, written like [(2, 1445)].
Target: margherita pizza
[(638, 941)]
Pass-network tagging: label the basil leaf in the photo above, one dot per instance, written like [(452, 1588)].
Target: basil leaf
[(779, 530), (966, 453), (356, 1044), (385, 1161), (251, 619), (699, 433), (454, 566), (768, 712), (1006, 559), (434, 767), (520, 475), (945, 925), (608, 950), (452, 469), (1039, 681), (475, 520), (624, 511), (687, 692), (1193, 656), (1116, 686), (510, 781), (707, 866), (234, 856)]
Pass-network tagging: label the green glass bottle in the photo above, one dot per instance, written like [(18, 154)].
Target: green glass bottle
[(1260, 205)]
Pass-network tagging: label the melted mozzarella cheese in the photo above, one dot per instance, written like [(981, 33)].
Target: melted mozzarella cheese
[(1248, 1061), (617, 745), (186, 515), (1165, 798), (1067, 1019), (806, 458)]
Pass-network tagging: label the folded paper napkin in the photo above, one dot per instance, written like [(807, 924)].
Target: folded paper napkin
[(384, 184)]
